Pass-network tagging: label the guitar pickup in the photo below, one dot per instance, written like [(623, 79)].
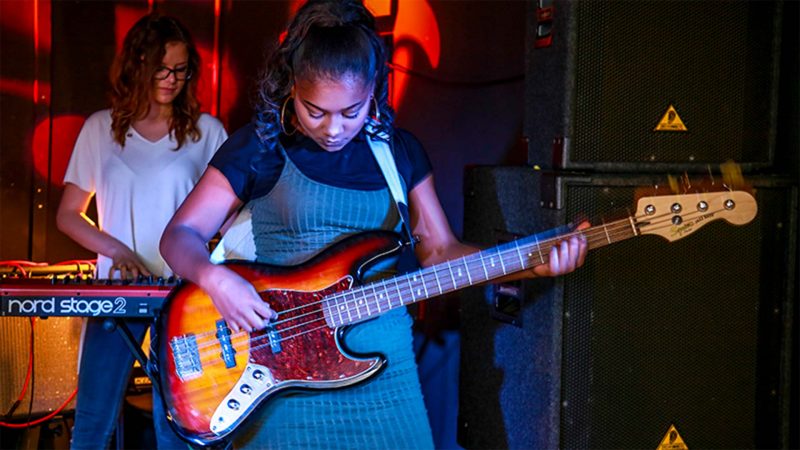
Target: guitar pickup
[(274, 339), (227, 353)]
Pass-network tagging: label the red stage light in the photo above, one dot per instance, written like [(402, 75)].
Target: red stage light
[(64, 131)]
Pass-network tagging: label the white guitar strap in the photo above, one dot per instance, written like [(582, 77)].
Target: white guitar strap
[(238, 241), (383, 155)]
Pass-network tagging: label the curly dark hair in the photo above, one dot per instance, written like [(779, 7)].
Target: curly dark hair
[(327, 39), (143, 51)]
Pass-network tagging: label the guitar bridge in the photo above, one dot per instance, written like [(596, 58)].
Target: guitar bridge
[(186, 357)]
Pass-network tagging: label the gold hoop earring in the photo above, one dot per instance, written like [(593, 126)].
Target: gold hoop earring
[(283, 113), (377, 115)]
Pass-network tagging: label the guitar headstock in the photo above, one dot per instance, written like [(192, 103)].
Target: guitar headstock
[(676, 216)]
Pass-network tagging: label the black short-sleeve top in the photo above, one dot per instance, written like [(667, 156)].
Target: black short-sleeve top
[(252, 173)]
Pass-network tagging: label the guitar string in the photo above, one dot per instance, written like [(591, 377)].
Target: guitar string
[(404, 290), (216, 360), (254, 341), (623, 224), (591, 238), (587, 232)]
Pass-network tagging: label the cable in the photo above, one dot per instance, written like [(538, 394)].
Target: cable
[(27, 376), (33, 382), (79, 263), (21, 264), (28, 380), (43, 419)]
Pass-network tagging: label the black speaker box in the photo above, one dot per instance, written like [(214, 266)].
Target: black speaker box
[(646, 86), (695, 333)]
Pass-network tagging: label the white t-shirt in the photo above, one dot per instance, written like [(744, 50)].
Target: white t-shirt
[(139, 187)]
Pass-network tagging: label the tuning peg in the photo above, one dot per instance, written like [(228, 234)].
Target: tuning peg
[(673, 184), (731, 175), (710, 175)]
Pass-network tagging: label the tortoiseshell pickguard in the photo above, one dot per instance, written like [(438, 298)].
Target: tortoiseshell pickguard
[(308, 348)]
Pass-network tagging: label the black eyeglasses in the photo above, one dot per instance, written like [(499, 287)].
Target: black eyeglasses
[(181, 74)]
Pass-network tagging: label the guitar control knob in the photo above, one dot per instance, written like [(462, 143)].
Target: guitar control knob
[(246, 389), (258, 375), (233, 404), (676, 208), (702, 206), (677, 220)]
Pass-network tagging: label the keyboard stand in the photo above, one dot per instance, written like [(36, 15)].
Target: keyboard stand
[(119, 324)]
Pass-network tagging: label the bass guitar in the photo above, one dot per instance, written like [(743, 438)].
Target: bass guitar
[(213, 378)]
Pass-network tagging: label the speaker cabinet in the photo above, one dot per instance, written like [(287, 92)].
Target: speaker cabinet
[(622, 86), (695, 333)]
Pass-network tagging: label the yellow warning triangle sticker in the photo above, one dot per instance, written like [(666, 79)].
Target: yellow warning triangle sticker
[(672, 440), (671, 121)]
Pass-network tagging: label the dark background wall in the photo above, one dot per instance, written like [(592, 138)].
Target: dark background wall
[(461, 94)]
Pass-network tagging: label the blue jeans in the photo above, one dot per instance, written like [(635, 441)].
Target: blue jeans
[(106, 364)]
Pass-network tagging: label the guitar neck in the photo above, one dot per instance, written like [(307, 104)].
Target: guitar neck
[(373, 299)]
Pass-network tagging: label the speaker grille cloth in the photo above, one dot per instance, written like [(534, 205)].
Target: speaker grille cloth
[(713, 61), (660, 333)]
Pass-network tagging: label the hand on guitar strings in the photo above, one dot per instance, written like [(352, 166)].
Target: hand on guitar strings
[(237, 301), (565, 257)]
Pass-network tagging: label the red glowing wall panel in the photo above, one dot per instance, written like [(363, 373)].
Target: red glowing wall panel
[(17, 109)]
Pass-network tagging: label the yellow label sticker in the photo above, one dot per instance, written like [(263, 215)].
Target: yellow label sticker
[(672, 440), (671, 121), (141, 381)]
